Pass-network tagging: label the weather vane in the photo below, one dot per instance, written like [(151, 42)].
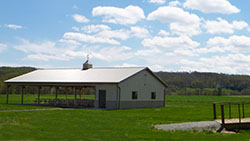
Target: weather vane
[(87, 56)]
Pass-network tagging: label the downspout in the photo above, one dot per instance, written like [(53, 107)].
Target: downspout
[(119, 97), (164, 94)]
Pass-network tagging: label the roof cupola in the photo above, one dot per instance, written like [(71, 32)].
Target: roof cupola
[(87, 64)]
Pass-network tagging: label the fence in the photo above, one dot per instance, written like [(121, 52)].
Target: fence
[(241, 122)]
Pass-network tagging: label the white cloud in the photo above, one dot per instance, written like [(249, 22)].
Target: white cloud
[(127, 65), (211, 6), (43, 47), (182, 29), (70, 49), (75, 28), (125, 16), (185, 52), (89, 38), (3, 47), (209, 49), (44, 57), (248, 29), (95, 28), (139, 32), (170, 43), (75, 7), (105, 31), (239, 25), (147, 52), (168, 14), (181, 22), (220, 26), (13, 26), (80, 18), (118, 34), (111, 53), (166, 51), (157, 1), (163, 33), (231, 63), (47, 50), (174, 3), (232, 44), (223, 26), (156, 68), (69, 42)]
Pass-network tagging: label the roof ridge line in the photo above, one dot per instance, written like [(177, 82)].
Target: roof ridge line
[(89, 68)]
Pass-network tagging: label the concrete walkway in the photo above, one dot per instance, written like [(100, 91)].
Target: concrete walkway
[(201, 125)]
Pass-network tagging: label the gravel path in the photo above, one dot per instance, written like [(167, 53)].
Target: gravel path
[(202, 125)]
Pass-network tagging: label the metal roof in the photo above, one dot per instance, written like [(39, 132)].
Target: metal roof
[(93, 75)]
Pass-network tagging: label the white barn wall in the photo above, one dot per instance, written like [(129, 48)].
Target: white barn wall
[(111, 95), (144, 83)]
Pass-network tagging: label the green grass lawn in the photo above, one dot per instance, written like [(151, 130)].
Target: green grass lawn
[(126, 124)]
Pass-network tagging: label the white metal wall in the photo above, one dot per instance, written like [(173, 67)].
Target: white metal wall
[(144, 83), (111, 95)]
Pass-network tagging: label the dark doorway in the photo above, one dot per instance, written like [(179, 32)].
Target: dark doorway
[(102, 98)]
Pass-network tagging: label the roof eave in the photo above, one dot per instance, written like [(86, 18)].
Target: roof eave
[(54, 83)]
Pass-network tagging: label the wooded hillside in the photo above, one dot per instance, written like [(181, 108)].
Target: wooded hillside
[(179, 82), (10, 72), (211, 83)]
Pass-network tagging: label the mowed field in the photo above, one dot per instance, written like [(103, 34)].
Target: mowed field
[(125, 124)]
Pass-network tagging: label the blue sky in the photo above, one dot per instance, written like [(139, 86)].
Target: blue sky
[(165, 35)]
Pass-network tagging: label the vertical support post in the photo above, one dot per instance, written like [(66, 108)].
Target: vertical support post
[(164, 94), (38, 95), (222, 115), (67, 91), (243, 110), (81, 93), (56, 95), (230, 111), (7, 94), (75, 96), (214, 108), (239, 113), (23, 87)]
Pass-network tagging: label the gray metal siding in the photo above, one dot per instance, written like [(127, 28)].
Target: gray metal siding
[(144, 83), (111, 95)]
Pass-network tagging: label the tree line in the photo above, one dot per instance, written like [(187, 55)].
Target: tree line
[(10, 72), (206, 83), (187, 83)]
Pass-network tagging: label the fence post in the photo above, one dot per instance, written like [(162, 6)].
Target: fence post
[(229, 110), (243, 110), (222, 115), (214, 108), (239, 113)]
